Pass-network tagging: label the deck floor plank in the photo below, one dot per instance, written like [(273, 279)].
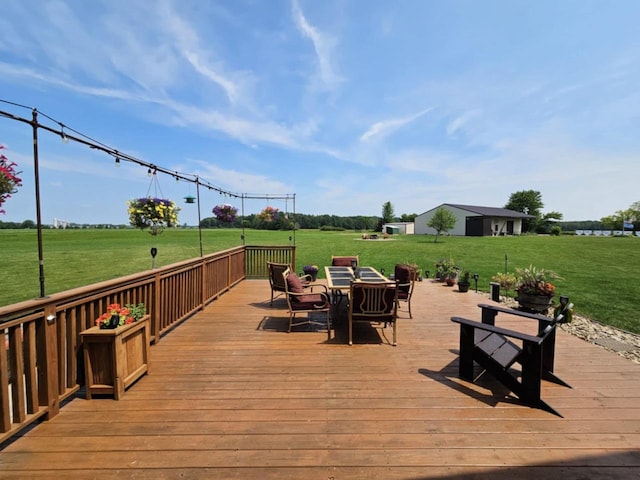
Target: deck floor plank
[(231, 394)]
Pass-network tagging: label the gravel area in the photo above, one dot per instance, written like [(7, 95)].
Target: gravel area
[(623, 343)]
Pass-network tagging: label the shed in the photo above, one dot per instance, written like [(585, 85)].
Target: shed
[(475, 221), (398, 228)]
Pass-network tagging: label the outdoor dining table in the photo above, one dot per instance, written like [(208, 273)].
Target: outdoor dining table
[(339, 279)]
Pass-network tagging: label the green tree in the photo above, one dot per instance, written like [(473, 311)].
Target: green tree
[(547, 221), (387, 213), (442, 221), (610, 222), (528, 202), (634, 212)]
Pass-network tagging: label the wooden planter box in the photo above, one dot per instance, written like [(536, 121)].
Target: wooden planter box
[(115, 358)]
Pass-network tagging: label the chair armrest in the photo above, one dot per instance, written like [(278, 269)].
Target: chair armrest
[(322, 286), (324, 294), (499, 330), (493, 311)]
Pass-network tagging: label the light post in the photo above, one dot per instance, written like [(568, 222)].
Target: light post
[(36, 174)]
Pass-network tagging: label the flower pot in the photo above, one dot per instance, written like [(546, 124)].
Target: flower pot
[(115, 358), (535, 303), (464, 286)]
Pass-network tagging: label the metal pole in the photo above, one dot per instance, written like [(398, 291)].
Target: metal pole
[(199, 221), (36, 174), (243, 240)]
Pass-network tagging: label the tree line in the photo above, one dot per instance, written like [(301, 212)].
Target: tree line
[(525, 201)]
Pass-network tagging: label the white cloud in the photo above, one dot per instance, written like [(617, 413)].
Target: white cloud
[(386, 127), (461, 121), (235, 181), (323, 45)]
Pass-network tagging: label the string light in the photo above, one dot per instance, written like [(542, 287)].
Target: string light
[(62, 134), (96, 145)]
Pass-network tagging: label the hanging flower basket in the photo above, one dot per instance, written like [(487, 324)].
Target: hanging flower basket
[(269, 214), (225, 213), (156, 214), (189, 199), (9, 180)]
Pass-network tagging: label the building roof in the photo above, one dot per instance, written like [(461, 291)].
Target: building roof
[(491, 211)]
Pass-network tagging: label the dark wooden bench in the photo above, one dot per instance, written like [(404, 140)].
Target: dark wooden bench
[(497, 349)]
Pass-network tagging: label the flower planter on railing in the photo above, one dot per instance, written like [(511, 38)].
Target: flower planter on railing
[(114, 358)]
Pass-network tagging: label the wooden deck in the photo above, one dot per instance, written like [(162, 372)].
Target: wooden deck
[(232, 395)]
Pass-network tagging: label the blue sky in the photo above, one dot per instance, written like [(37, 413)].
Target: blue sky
[(346, 103)]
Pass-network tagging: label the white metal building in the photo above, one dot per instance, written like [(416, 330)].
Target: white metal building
[(475, 221)]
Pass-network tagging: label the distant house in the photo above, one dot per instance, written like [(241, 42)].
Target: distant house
[(398, 228), (474, 221)]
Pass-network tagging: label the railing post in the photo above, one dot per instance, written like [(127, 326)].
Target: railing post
[(48, 361), (155, 310), (293, 257), (203, 287)]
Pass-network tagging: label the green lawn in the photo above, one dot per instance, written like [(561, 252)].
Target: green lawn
[(600, 275)]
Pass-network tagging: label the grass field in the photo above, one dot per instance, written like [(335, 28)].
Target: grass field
[(600, 275)]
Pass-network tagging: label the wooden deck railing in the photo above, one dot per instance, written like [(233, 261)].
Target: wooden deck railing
[(257, 258), (41, 362)]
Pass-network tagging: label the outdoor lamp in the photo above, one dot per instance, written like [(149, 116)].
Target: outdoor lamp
[(475, 279), (154, 252)]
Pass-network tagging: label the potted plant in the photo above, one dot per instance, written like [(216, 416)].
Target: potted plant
[(312, 271), (447, 271), (505, 280), (464, 281), (116, 350), (117, 315), (415, 271), (534, 289), (225, 213), (156, 214), (443, 269), (9, 180)]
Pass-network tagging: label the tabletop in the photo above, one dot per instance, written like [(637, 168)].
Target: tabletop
[(340, 278)]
